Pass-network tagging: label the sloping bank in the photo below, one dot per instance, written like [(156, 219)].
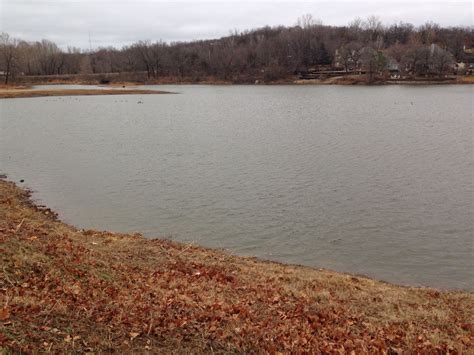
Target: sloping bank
[(68, 290)]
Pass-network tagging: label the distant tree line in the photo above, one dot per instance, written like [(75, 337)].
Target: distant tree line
[(268, 53)]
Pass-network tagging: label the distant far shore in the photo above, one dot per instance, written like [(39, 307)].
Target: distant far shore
[(116, 86), (134, 79)]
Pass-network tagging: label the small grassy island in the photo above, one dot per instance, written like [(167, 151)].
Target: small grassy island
[(70, 290)]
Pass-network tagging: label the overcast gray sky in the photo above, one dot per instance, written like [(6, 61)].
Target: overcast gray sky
[(121, 22)]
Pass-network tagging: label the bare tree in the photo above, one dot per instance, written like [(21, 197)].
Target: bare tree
[(356, 28), (373, 27), (397, 51), (440, 59), (398, 33), (428, 32), (50, 57), (72, 58), (27, 58), (343, 57), (144, 56), (9, 56), (368, 59), (355, 53), (307, 21)]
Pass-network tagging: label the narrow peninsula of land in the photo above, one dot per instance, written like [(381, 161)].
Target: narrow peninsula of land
[(26, 91), (65, 290)]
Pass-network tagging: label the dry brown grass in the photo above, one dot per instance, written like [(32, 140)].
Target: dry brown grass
[(4, 87), (468, 79), (68, 290), (12, 93)]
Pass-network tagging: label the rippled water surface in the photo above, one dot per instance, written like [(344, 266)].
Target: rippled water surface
[(369, 180)]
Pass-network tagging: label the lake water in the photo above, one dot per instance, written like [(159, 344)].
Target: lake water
[(368, 180)]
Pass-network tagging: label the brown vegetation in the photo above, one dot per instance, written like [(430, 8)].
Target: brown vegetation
[(12, 93), (265, 54), (69, 290), (13, 87), (466, 80)]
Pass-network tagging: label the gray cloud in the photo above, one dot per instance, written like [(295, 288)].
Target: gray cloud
[(121, 22)]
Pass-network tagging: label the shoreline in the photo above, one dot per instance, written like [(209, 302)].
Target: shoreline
[(129, 88), (125, 79), (70, 290)]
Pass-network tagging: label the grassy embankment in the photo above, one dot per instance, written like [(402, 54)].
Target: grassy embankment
[(10, 92), (69, 290)]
